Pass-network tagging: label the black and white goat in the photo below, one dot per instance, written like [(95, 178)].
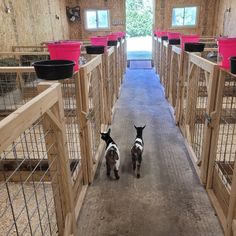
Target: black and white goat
[(137, 149), (112, 154)]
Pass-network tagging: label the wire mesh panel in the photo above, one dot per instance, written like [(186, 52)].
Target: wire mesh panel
[(159, 56), (27, 199), (164, 65), (196, 108), (174, 74), (155, 53), (16, 88), (95, 108), (22, 58), (72, 126), (118, 64), (33, 48), (226, 145), (110, 83)]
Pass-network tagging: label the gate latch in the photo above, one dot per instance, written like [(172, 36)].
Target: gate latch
[(208, 118)]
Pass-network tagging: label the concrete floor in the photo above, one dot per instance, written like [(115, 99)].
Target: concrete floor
[(168, 199)]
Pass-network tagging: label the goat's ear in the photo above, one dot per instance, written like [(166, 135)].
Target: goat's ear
[(144, 126), (109, 131), (135, 127)]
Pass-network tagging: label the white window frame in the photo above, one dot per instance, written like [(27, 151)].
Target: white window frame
[(185, 26), (97, 28)]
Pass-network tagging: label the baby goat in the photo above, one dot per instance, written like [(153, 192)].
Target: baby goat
[(112, 154), (137, 149)]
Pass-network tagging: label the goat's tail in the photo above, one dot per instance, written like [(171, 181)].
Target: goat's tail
[(113, 154)]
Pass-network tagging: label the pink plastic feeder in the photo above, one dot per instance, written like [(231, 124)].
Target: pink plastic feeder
[(65, 51), (173, 35), (112, 37), (193, 38), (99, 41), (227, 49)]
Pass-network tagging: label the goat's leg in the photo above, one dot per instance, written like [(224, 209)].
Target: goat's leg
[(134, 163), (116, 173), (138, 167), (108, 169)]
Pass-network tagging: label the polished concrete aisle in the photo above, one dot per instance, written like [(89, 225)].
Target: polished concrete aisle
[(168, 199)]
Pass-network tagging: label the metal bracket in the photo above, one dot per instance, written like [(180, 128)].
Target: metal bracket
[(208, 118)]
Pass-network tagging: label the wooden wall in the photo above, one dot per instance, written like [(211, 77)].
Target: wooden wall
[(31, 22), (225, 20), (163, 15), (117, 15)]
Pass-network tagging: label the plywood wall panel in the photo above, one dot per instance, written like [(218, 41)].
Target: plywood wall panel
[(117, 13), (163, 15), (225, 21), (31, 22)]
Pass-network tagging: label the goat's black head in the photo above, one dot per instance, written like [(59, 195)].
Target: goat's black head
[(106, 136), (139, 130)]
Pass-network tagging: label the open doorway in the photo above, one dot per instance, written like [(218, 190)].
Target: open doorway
[(139, 23)]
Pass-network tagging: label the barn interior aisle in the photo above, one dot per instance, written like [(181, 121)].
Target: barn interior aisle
[(168, 199)]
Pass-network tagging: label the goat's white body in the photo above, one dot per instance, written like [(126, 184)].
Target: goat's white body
[(117, 151)]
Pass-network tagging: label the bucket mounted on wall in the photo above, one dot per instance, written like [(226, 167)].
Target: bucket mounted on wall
[(65, 50), (226, 49)]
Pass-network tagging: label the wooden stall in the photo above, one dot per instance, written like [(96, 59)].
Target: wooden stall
[(31, 203), (222, 172)]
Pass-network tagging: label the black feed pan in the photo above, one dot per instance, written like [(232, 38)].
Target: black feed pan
[(194, 47), (112, 43), (54, 69), (233, 65), (95, 49), (174, 41), (164, 38)]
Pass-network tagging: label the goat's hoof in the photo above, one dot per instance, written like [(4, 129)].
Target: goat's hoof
[(117, 177), (138, 176), (108, 174)]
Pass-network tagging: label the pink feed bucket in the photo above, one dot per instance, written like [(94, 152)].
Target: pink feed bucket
[(99, 41), (226, 49), (112, 37), (194, 38), (173, 35), (65, 51)]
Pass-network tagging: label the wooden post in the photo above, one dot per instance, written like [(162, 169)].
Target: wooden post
[(57, 121), (211, 107), (84, 88)]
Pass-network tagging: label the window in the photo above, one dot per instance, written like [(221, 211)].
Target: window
[(97, 19), (184, 16)]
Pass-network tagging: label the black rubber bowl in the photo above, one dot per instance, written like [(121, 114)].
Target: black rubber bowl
[(194, 47), (233, 65), (112, 43), (174, 41), (95, 49), (54, 69), (164, 38)]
